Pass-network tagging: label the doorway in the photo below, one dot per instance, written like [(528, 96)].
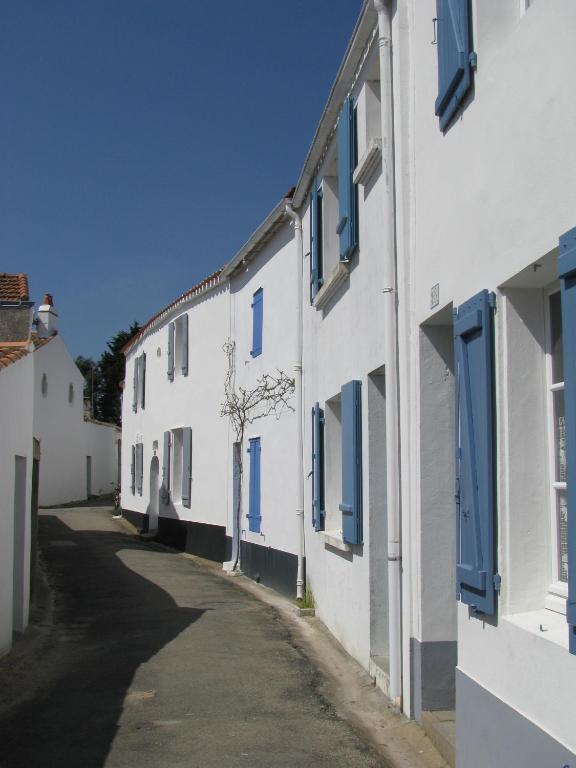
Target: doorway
[(21, 564), (154, 495), (88, 476)]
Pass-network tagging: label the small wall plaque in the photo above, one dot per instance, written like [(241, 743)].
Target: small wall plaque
[(435, 296)]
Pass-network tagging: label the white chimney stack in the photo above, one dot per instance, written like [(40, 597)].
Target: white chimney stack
[(47, 317)]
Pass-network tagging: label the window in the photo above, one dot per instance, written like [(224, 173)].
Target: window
[(337, 465), (254, 514), (455, 57), (138, 463), (316, 240), (177, 465), (257, 320), (347, 228), (139, 382), (557, 432), (70, 393), (177, 347), (44, 385)]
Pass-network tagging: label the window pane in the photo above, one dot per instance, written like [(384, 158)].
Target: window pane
[(559, 437), (556, 338), (562, 536)]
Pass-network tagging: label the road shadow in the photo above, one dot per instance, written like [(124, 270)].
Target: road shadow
[(108, 621)]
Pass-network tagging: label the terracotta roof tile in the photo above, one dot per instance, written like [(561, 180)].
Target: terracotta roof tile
[(41, 341), (14, 287), (9, 355)]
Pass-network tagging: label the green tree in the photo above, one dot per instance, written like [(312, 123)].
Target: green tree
[(89, 369), (111, 371)]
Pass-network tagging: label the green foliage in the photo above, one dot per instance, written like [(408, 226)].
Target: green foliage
[(103, 379), (308, 601)]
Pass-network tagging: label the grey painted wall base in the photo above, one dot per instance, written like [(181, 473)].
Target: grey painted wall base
[(433, 664), (491, 733)]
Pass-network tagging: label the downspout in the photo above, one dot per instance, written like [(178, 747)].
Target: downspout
[(394, 550), (298, 386)]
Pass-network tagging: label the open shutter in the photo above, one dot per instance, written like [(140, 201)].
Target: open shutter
[(136, 385), (186, 466), (254, 516), (139, 467), (143, 380), (184, 330), (133, 471), (166, 468), (257, 317), (318, 468), (567, 275), (171, 333), (346, 228), (315, 240), (454, 57), (351, 506), (475, 564)]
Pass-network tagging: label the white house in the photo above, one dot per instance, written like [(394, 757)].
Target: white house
[(79, 454), (18, 457), (418, 287)]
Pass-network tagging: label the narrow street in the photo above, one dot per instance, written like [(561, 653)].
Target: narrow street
[(152, 660)]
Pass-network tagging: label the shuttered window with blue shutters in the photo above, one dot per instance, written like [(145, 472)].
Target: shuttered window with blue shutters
[(170, 363), (142, 380), (186, 466), (184, 342), (455, 57), (476, 577), (347, 228), (351, 506), (567, 275), (318, 511), (257, 319), (316, 243), (254, 516)]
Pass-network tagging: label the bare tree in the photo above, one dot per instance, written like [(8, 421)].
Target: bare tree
[(269, 397)]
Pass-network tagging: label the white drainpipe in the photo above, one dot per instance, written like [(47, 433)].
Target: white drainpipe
[(298, 385), (390, 354)]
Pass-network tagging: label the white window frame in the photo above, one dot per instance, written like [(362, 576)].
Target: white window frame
[(557, 590)]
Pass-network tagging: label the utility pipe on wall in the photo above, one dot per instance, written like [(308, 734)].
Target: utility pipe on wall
[(298, 385), (390, 355)]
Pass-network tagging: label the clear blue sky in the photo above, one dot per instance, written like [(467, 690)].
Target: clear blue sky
[(142, 141)]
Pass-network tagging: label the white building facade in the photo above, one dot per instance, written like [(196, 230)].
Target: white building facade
[(418, 287)]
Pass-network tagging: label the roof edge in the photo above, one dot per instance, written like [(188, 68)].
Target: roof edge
[(367, 21)]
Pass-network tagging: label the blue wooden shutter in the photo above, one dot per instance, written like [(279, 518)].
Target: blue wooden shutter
[(184, 330), (133, 471), (143, 380), (318, 512), (186, 466), (476, 547), (166, 468), (171, 333), (347, 199), (257, 318), (315, 240), (254, 515), (454, 57), (351, 506), (567, 274), (135, 383)]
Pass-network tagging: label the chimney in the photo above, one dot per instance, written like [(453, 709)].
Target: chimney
[(47, 317)]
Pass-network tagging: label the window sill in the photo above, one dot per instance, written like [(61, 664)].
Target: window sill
[(334, 539), (340, 274), (546, 624), (368, 162)]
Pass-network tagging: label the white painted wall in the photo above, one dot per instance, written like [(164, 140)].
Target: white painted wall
[(16, 397), (66, 439), (188, 401), (274, 270), (344, 341), (479, 205)]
